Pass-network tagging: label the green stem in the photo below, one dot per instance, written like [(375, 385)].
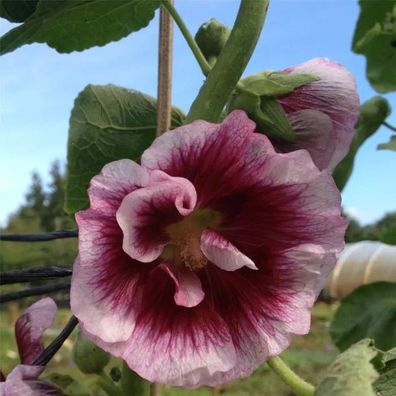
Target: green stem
[(107, 384), (289, 377), (187, 35), (391, 127), (231, 63)]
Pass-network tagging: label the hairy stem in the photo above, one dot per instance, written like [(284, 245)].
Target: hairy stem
[(231, 63), (188, 37), (289, 377), (39, 237)]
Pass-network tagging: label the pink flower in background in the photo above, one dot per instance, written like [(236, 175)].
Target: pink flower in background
[(203, 261), (29, 328), (323, 113)]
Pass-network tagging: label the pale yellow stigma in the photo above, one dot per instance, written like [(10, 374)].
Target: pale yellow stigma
[(185, 239)]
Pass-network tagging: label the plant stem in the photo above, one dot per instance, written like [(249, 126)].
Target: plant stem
[(188, 37), (391, 127), (107, 384), (231, 62), (289, 377)]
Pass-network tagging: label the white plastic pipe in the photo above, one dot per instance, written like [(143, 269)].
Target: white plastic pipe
[(359, 264)]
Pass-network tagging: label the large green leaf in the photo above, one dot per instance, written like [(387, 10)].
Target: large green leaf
[(386, 383), (352, 373), (375, 37), (17, 10), (369, 311), (372, 114), (75, 25), (107, 123)]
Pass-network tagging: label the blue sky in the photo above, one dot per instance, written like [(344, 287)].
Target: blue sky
[(38, 87)]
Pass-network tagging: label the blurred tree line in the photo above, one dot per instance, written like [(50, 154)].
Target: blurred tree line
[(383, 230), (43, 211)]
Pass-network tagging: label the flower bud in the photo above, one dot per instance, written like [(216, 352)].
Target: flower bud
[(372, 114), (89, 358), (211, 38)]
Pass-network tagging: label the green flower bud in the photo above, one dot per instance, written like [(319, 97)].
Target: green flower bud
[(89, 358), (211, 38), (372, 114)]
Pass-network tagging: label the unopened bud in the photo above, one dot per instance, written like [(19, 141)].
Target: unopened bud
[(211, 38), (89, 358)]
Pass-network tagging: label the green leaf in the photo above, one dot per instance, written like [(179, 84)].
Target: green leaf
[(375, 37), (372, 114), (17, 10), (75, 25), (386, 383), (369, 311), (352, 373), (391, 145), (270, 83), (273, 120), (266, 112), (107, 123)]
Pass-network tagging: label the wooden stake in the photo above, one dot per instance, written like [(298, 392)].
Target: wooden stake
[(164, 103), (165, 50)]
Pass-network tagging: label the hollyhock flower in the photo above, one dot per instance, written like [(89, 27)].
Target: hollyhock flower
[(323, 113), (203, 261), (29, 328)]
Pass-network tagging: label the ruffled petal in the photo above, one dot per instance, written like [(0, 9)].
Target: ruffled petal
[(217, 159), (188, 286), (117, 179), (223, 253), (334, 95), (103, 293), (143, 214), (293, 204), (264, 309), (30, 326), (174, 344)]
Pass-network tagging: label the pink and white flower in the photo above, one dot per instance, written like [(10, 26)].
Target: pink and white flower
[(29, 328), (323, 113), (203, 261)]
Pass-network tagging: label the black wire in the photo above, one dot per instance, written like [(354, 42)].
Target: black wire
[(34, 291), (34, 274), (56, 344), (39, 237)]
